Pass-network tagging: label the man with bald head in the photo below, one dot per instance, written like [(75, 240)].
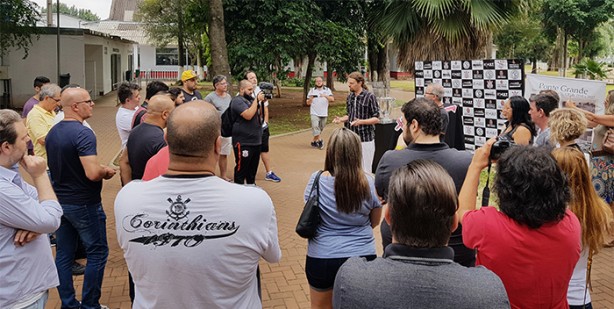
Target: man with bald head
[(77, 180), (246, 133), (146, 139), (213, 231)]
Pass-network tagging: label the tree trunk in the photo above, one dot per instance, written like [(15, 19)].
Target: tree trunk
[(372, 55), (330, 81), (217, 42), (276, 81), (311, 60), (564, 55), (298, 67), (383, 66), (534, 66)]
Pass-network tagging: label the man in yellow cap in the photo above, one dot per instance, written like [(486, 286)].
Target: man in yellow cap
[(189, 79)]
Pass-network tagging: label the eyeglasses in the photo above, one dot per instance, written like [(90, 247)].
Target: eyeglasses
[(429, 93), (56, 100), (90, 102)]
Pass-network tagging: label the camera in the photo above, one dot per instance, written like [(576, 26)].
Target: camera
[(267, 89), (500, 146)]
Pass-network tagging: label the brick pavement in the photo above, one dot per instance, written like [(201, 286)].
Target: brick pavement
[(284, 283)]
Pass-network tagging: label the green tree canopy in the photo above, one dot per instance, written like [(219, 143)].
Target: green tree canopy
[(17, 25), (443, 29), (84, 14)]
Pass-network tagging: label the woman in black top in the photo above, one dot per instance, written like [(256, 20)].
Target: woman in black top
[(519, 127)]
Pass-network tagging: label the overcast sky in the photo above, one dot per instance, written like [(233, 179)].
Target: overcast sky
[(99, 7)]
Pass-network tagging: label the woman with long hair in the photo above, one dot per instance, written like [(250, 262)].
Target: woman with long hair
[(518, 127), (594, 216), (349, 210)]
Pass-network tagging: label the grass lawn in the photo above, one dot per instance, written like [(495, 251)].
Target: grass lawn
[(406, 85)]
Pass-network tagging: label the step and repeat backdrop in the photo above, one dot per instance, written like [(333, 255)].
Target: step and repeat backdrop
[(478, 87)]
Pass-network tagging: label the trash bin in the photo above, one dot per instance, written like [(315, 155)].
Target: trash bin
[(128, 75), (64, 80)]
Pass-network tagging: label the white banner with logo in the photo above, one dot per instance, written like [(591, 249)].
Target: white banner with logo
[(587, 94)]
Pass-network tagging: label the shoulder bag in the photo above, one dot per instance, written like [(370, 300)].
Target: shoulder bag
[(310, 217)]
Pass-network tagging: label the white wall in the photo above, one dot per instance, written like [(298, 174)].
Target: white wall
[(42, 61), (110, 47)]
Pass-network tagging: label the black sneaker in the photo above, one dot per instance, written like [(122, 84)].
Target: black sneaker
[(314, 144), (321, 144), (78, 269)]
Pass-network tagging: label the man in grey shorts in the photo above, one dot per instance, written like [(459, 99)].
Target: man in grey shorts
[(221, 100), (318, 99)]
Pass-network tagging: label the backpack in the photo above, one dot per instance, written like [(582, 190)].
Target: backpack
[(227, 122)]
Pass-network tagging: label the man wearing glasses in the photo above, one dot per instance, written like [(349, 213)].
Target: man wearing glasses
[(435, 92), (77, 180), (40, 118)]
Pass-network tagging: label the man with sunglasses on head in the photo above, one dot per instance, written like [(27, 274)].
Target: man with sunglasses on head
[(77, 181)]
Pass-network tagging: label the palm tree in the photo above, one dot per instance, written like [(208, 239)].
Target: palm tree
[(444, 29), (591, 69)]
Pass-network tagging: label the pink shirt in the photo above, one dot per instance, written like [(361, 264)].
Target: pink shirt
[(157, 165), (535, 265)]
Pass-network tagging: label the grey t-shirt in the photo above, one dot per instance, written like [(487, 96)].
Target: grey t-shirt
[(419, 280), (220, 103)]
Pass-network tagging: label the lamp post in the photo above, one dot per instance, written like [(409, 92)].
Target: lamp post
[(58, 39)]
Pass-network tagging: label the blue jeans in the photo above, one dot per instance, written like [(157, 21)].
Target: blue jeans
[(87, 222)]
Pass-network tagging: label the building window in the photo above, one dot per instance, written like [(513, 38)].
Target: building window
[(167, 56)]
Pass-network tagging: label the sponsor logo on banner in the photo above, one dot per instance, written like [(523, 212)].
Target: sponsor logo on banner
[(457, 74), (468, 102), (502, 94), (478, 74), (467, 83), (478, 103), (490, 94), (468, 121), (446, 74), (489, 64), (427, 65), (419, 74), (478, 84), (492, 104), (467, 93), (489, 74), (436, 65), (478, 112), (501, 74), (477, 64), (468, 111), (447, 83), (479, 130)]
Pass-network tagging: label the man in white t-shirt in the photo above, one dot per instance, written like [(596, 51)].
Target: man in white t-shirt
[(191, 230), (129, 96), (318, 98)]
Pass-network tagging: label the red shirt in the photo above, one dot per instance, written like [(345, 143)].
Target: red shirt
[(535, 265), (157, 165)]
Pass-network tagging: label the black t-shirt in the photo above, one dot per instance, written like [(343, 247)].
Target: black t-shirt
[(144, 142), (245, 132), (455, 162), (191, 97)]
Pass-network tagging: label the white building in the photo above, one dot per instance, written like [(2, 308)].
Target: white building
[(94, 60)]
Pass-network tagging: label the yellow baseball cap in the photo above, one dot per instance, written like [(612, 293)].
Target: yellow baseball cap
[(187, 75)]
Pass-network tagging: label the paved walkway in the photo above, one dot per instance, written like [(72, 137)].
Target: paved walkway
[(284, 283)]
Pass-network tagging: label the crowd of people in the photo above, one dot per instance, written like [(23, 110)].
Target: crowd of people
[(192, 237)]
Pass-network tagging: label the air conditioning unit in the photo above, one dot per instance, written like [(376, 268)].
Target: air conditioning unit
[(4, 72)]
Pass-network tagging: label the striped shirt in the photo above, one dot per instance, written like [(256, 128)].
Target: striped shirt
[(363, 106)]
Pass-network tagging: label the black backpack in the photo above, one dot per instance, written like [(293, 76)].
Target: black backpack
[(227, 122)]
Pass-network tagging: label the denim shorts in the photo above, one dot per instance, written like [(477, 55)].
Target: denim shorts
[(321, 273)]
